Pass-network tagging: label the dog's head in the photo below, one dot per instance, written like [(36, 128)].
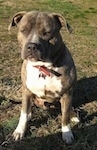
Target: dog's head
[(38, 34)]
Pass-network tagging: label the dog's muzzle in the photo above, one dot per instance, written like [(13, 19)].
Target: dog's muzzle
[(32, 51)]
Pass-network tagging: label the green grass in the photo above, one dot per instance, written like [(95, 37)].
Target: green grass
[(43, 132), (9, 125)]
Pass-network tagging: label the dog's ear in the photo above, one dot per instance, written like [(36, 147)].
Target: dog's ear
[(16, 19), (62, 21)]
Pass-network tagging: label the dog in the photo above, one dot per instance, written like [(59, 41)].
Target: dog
[(48, 72)]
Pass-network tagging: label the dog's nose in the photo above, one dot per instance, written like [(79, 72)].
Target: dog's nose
[(32, 46)]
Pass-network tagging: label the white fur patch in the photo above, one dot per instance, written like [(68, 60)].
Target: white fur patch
[(40, 63), (29, 116), (23, 118), (34, 38), (38, 85), (75, 119), (66, 128)]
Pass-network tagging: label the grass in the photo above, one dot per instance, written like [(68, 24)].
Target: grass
[(44, 128)]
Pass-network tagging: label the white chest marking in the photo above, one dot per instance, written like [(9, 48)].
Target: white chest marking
[(38, 85)]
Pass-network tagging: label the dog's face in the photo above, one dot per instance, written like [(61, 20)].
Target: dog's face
[(38, 34)]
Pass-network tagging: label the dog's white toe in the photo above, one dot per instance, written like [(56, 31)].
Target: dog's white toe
[(75, 119), (17, 136), (29, 116)]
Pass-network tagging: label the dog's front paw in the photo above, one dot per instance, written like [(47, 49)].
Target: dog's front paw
[(67, 137), (18, 133), (67, 134)]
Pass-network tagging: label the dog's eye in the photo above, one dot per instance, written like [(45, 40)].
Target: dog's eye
[(46, 33), (23, 30)]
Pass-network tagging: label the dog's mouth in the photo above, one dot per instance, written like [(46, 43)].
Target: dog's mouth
[(32, 55)]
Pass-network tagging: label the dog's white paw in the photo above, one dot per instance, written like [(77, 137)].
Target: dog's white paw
[(67, 137), (67, 134), (18, 133), (20, 130), (75, 119)]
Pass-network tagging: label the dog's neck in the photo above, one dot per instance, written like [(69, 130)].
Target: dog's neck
[(44, 71)]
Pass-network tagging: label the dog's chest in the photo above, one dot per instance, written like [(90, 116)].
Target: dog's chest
[(38, 84)]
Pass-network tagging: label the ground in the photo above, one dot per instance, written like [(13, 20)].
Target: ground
[(44, 129)]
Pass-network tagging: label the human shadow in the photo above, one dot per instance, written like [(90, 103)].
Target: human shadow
[(85, 91)]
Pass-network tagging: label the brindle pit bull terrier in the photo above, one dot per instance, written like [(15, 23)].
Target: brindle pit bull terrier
[(48, 71)]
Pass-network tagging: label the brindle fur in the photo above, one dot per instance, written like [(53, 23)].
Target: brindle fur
[(43, 29)]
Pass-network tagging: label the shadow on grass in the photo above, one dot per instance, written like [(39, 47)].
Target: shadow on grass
[(85, 91), (54, 141)]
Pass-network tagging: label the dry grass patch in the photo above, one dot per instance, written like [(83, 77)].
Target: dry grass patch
[(44, 129)]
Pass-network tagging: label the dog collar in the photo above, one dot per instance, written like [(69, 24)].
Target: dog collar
[(44, 71)]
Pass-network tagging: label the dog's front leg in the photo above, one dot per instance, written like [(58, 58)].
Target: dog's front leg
[(66, 101), (24, 117)]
